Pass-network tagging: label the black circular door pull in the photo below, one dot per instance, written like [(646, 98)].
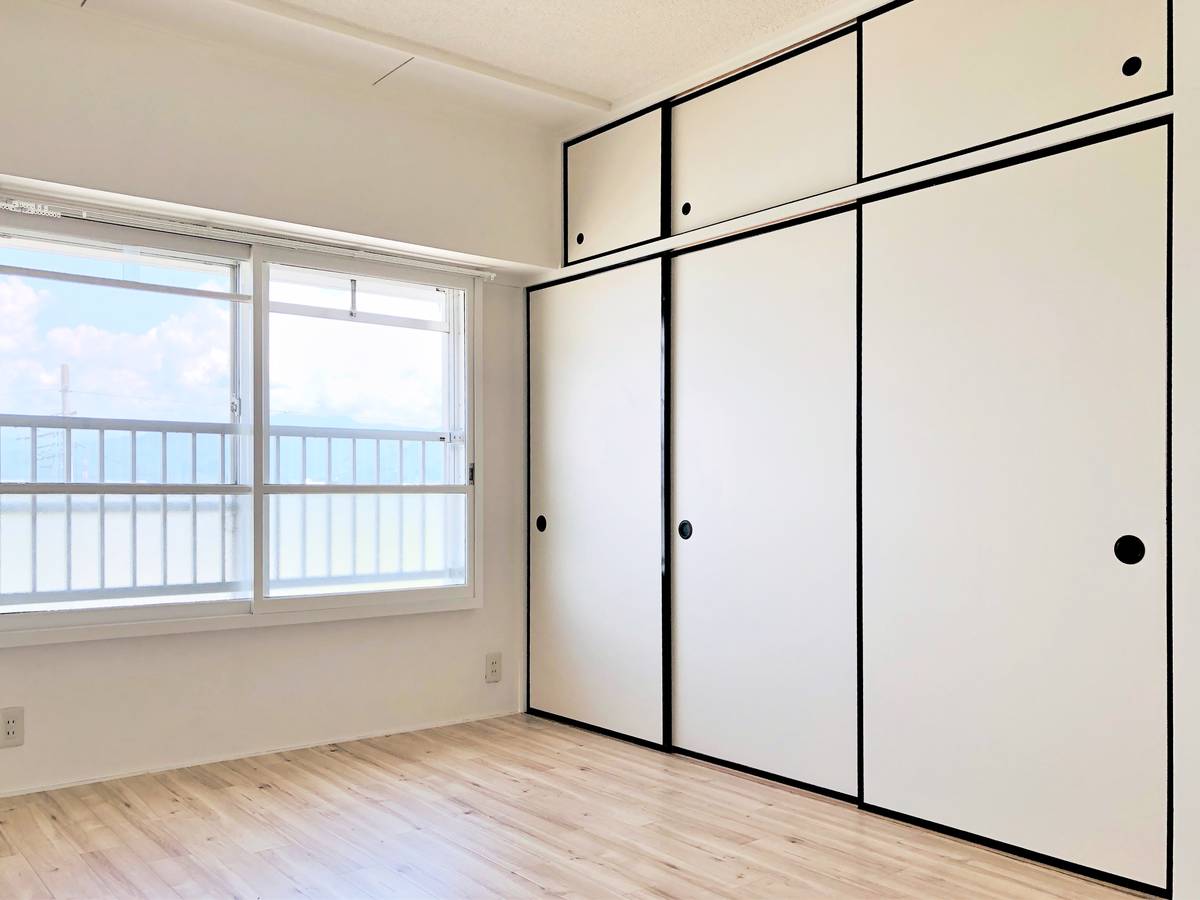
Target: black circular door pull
[(687, 208), (541, 523), (685, 529), (1132, 66), (579, 238), (1129, 549)]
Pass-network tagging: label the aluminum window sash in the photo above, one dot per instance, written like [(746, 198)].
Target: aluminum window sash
[(71, 599), (318, 432), (348, 315), (322, 489), (90, 231), (362, 266), (86, 423), (96, 280), (151, 611), (124, 488)]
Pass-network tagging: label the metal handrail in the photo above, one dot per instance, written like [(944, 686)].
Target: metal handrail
[(87, 423), (98, 502)]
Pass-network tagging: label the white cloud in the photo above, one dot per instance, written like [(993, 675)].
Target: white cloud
[(372, 374), (18, 314), (178, 368)]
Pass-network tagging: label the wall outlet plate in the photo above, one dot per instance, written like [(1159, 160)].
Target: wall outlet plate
[(12, 726), (491, 668)]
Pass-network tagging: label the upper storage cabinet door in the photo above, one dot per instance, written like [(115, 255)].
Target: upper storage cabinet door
[(944, 76), (614, 187), (781, 133)]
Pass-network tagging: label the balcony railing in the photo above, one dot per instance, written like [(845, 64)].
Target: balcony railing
[(96, 510)]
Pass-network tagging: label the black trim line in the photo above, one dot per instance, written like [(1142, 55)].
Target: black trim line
[(633, 246), (856, 28), (858, 99), (755, 68), (768, 776), (1051, 150), (1042, 129), (666, 167), (567, 279), (1008, 162), (1170, 46), (565, 176), (869, 178), (528, 507), (1170, 511), (665, 444), (762, 229), (858, 491), (664, 174), (880, 10), (596, 729), (703, 245), (609, 126), (665, 209), (668, 654), (1014, 850), (1167, 121), (755, 212)]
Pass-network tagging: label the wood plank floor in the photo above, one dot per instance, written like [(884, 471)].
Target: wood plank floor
[(511, 807)]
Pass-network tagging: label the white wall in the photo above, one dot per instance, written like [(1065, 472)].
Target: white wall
[(97, 102), (92, 100), (1186, 457), (109, 707)]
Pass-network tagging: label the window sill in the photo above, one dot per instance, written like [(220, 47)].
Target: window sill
[(35, 629)]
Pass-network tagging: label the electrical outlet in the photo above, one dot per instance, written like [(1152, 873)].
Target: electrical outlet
[(12, 726), (491, 668)]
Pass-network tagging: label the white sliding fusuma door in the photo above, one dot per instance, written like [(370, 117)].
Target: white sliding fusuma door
[(1015, 504), (595, 423), (763, 404), (942, 76)]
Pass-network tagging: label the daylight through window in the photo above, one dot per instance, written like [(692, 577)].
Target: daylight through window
[(130, 466)]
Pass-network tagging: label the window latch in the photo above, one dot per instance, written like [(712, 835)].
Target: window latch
[(235, 407), (471, 473)]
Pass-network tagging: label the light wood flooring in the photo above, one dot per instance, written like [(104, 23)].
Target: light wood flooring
[(511, 807)]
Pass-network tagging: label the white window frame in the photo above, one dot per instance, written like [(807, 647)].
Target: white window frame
[(452, 597), (170, 616)]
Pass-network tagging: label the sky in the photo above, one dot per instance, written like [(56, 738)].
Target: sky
[(143, 355), (134, 354)]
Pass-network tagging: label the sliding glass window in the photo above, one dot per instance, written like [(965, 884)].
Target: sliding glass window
[(184, 433), (367, 462), (124, 457)]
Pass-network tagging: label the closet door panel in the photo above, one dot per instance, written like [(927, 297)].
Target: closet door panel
[(1014, 428), (782, 133), (595, 593), (940, 76), (763, 450), (614, 187)]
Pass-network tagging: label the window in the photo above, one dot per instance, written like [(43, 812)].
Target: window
[(173, 412), (367, 462), (124, 468)]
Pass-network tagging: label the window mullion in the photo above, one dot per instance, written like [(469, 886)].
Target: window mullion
[(259, 444)]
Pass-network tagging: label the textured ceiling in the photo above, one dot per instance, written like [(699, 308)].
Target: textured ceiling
[(612, 49)]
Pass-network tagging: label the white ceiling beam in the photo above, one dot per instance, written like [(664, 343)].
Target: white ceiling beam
[(424, 51)]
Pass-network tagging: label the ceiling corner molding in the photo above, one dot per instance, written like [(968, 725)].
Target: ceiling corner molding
[(424, 51)]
